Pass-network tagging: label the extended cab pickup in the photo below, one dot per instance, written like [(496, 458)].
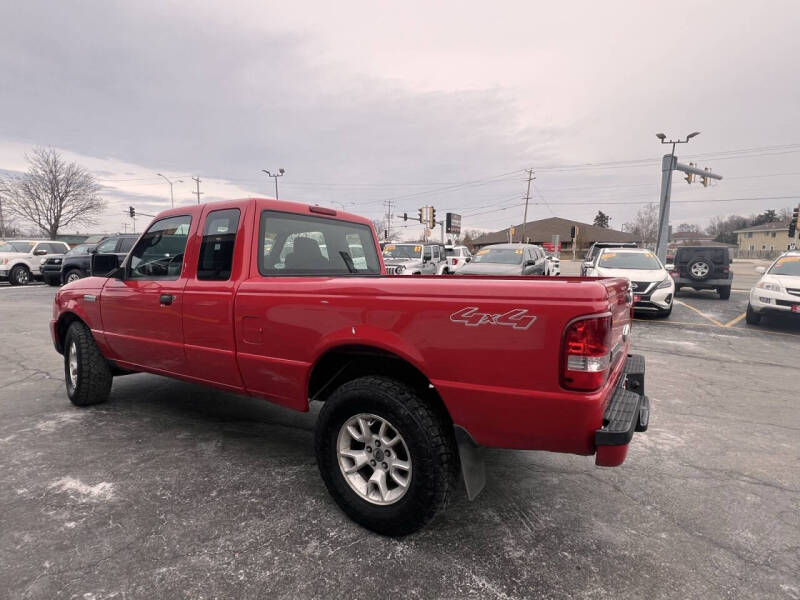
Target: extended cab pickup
[(291, 303)]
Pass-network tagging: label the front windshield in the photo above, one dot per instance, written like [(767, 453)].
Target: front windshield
[(504, 256), (80, 249), (402, 251), (786, 265), (644, 261), (16, 246)]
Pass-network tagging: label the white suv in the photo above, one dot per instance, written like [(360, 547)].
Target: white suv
[(651, 285), (778, 290), (21, 260), (457, 257)]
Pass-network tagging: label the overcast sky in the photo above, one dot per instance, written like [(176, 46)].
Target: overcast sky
[(415, 102)]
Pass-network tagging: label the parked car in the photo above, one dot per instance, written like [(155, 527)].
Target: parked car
[(457, 257), (79, 265), (594, 250), (651, 285), (416, 258), (778, 290), (703, 268), (51, 267), (21, 260), (507, 259), (200, 298)]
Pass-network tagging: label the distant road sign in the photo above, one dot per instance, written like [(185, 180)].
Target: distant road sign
[(453, 223)]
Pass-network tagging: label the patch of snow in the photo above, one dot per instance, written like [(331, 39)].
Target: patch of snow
[(82, 492)]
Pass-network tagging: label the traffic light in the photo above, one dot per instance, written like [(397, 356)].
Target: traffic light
[(422, 214), (405, 216), (386, 234), (690, 176), (432, 214), (132, 211), (793, 223), (572, 232), (705, 178)]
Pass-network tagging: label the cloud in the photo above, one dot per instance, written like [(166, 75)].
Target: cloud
[(367, 103)]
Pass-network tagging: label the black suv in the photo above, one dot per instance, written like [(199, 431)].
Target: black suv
[(703, 268), (77, 266)]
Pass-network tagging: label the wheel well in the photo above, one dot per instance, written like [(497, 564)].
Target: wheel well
[(64, 322), (346, 363)]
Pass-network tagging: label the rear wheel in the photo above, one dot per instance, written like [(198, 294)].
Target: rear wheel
[(724, 292), (387, 458), (19, 275), (751, 316), (86, 370)]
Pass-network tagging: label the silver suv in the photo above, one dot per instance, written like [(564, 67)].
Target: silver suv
[(415, 258)]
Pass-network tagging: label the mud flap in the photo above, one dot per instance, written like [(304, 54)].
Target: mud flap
[(473, 468)]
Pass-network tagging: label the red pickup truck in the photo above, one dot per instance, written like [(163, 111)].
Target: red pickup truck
[(291, 303)]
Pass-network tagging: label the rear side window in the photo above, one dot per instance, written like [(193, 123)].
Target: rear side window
[(303, 245), (159, 252), (219, 239)]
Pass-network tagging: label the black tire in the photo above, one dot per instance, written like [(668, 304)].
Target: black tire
[(93, 377), (677, 289), (752, 317), (427, 435), (700, 268), (20, 275), (724, 292), (72, 275)]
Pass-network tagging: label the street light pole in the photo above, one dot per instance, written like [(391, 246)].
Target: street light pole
[(171, 196), (280, 173), (669, 163)]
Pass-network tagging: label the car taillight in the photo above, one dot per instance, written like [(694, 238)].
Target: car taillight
[(586, 353), (676, 273)]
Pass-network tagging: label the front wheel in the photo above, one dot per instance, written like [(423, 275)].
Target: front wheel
[(751, 316), (19, 276), (86, 370), (388, 459), (72, 275)]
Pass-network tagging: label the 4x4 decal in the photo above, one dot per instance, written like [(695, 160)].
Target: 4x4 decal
[(518, 318)]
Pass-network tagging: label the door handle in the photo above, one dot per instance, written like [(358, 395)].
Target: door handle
[(166, 299)]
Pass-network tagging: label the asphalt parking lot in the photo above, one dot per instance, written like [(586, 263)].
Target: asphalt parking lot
[(172, 490)]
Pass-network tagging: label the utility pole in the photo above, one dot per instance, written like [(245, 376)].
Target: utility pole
[(280, 173), (527, 198), (2, 219), (198, 192), (669, 163), (387, 218)]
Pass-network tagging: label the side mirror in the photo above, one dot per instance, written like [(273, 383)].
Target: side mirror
[(530, 262), (588, 264), (41, 252), (106, 265), (761, 270), (469, 259)]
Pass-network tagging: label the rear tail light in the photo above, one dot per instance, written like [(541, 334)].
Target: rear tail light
[(586, 353), (676, 273)]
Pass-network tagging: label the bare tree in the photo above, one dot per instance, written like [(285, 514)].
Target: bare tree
[(53, 193), (645, 225)]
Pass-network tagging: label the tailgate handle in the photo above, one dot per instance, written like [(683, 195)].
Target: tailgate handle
[(166, 299)]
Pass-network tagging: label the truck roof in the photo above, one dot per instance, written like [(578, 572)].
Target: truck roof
[(271, 204)]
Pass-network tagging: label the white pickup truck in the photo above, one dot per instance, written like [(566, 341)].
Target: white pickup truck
[(20, 260)]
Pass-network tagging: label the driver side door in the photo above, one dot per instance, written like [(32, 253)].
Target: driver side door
[(142, 312)]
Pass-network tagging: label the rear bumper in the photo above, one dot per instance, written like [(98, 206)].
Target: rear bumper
[(708, 284), (628, 411)]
